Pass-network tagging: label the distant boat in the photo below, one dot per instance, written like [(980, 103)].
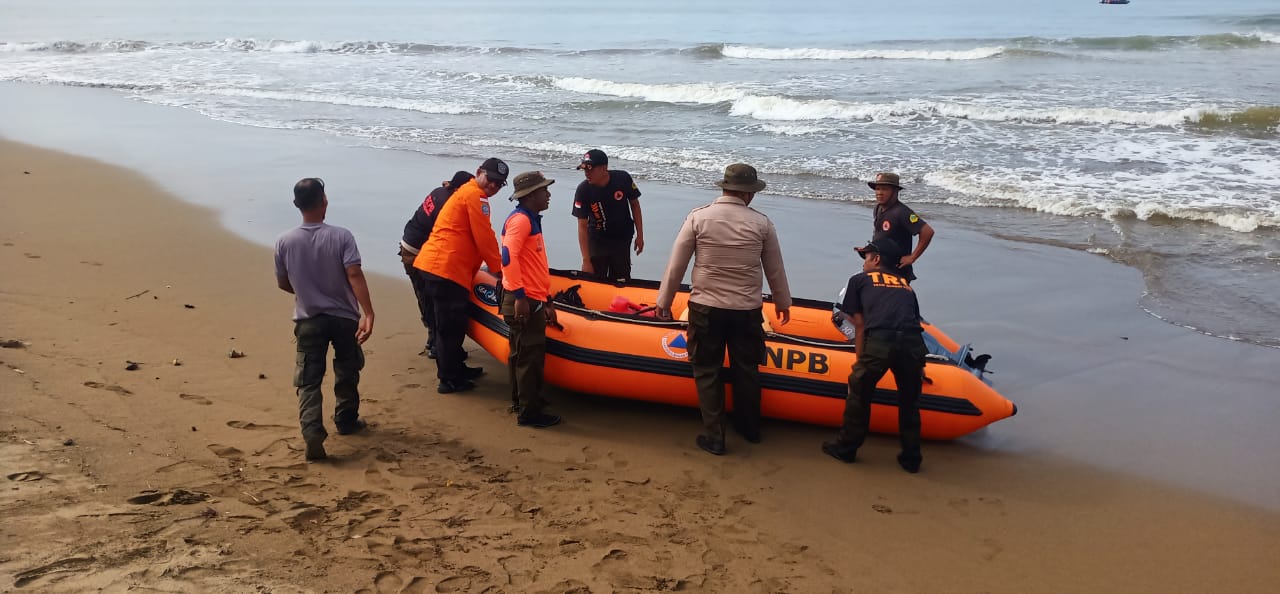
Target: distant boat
[(1114, 2)]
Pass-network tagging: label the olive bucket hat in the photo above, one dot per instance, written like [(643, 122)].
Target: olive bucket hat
[(885, 178), (741, 177), (528, 182)]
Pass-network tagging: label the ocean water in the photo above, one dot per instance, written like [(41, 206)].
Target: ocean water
[(1147, 132)]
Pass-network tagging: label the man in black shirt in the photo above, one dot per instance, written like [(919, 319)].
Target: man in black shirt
[(416, 232), (607, 205), (898, 222), (886, 316)]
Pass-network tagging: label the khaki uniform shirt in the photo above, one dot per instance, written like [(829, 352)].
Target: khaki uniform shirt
[(735, 248)]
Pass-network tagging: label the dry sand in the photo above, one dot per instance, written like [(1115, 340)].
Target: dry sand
[(190, 477)]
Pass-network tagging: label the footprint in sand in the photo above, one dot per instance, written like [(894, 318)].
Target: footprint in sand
[(224, 451), (295, 467), (174, 497), (252, 426), (794, 549), (279, 446), (31, 255), (571, 587), (91, 263), (458, 583), (201, 400), (387, 583), (383, 549), (374, 476), (613, 555), (715, 558), (420, 584), (70, 564), (305, 519), (519, 569), (570, 546), (145, 498), (26, 477), (108, 387)]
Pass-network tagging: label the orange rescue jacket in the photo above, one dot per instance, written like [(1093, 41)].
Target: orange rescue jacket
[(462, 238)]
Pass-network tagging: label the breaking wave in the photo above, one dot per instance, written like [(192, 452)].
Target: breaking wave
[(765, 53), (1165, 42), (254, 45), (1261, 120), (1074, 199), (76, 47), (780, 108), (700, 93)]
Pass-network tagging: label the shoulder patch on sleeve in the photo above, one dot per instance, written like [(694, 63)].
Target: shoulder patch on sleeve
[(484, 208), (913, 218)]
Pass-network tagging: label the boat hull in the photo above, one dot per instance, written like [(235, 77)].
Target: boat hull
[(803, 378)]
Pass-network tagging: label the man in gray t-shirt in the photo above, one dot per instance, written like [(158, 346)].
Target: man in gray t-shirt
[(320, 265)]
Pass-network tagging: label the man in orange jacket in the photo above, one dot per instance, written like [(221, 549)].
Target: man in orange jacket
[(463, 237)]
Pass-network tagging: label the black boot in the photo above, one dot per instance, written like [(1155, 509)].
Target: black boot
[(840, 451), (538, 420), (711, 446)]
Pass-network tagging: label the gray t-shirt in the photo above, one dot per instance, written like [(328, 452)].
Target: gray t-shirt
[(315, 257)]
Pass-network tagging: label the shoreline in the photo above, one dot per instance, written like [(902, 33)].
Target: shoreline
[(447, 491), (137, 134)]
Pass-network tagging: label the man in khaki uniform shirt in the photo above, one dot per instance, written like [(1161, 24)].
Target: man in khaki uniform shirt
[(734, 248)]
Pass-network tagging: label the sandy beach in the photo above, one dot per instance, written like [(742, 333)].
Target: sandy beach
[(186, 474)]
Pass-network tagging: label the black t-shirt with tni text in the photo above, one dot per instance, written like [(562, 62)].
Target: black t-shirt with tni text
[(885, 300)]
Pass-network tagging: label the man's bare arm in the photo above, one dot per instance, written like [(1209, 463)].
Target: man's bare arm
[(638, 218), (583, 246), (355, 275)]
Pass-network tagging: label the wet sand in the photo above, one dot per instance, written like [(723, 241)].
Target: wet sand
[(190, 477)]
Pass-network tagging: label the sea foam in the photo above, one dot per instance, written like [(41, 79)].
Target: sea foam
[(701, 93), (1070, 193), (781, 108), (420, 105), (765, 53)]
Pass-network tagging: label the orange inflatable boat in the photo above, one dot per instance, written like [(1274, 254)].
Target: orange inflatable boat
[(610, 344)]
